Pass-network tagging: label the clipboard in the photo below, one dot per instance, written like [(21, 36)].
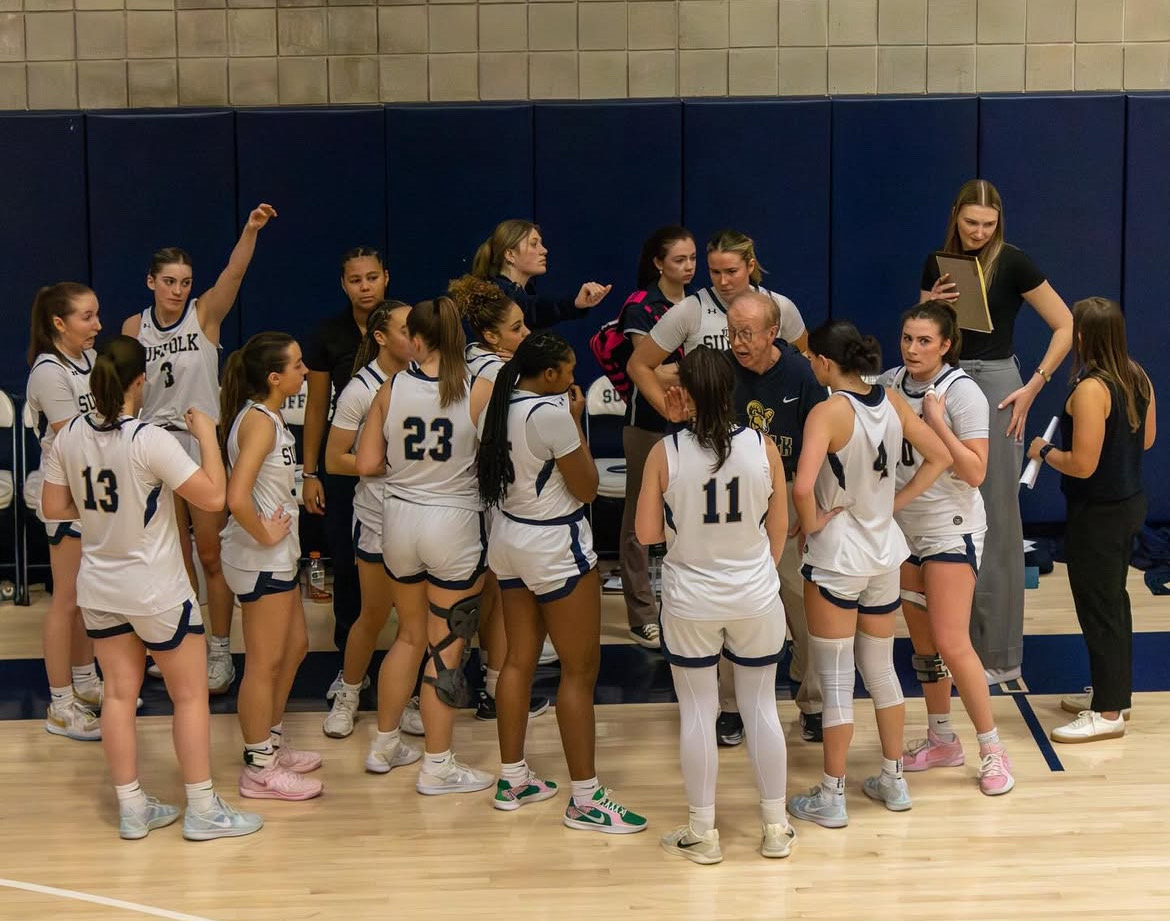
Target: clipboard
[(971, 305)]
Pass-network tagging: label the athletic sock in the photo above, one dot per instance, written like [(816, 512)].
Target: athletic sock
[(219, 645), (490, 677), (583, 790), (702, 819), (940, 725), (200, 796), (772, 811), (892, 769), (276, 734), (61, 698), (988, 739), (260, 754), (833, 786), (436, 763), (85, 674), (515, 773), (131, 799), (385, 740), (351, 688)]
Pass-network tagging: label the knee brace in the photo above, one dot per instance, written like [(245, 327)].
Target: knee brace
[(833, 661), (875, 661), (916, 598), (450, 684), (930, 669)]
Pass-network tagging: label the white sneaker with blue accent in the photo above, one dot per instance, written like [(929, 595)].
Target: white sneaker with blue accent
[(220, 821), (135, 825), (820, 807), (889, 790)]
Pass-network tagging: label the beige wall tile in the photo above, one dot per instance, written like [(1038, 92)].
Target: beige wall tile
[(752, 72), (251, 5), (502, 75), (1002, 22), (296, 3), (1052, 20), (353, 30), (1048, 67), (803, 71), (101, 35), (803, 22), (49, 36), (302, 81), (402, 29), (95, 4), (901, 69), (40, 5), (602, 74), (552, 74), (950, 69), (191, 4), (754, 24), (702, 73), (352, 78), (11, 37), (951, 22), (203, 82), (251, 33), (901, 22), (1100, 20), (149, 35), (1147, 67), (402, 77), (52, 85), (13, 87), (452, 28), (202, 33), (653, 74), (999, 68), (503, 27), (1147, 20), (552, 27), (101, 84), (150, 4), (302, 32), (11, 6), (653, 25), (703, 24), (252, 82), (852, 22), (153, 84), (1098, 67), (852, 70), (601, 26), (454, 77)]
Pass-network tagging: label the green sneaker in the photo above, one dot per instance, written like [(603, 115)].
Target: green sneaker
[(602, 813), (534, 790)]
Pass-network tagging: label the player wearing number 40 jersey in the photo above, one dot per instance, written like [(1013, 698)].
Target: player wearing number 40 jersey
[(117, 475)]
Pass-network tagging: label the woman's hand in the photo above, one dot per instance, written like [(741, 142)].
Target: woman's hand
[(576, 401), (590, 295), (944, 289), (933, 407), (1020, 401), (276, 526), (199, 424), (260, 216), (1034, 448), (313, 495), (678, 405), (823, 518)]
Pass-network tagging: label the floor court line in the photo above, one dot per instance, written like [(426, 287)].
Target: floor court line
[(1038, 733), (101, 900)]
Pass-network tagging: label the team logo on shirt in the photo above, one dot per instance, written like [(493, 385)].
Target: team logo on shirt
[(760, 417), (958, 519)]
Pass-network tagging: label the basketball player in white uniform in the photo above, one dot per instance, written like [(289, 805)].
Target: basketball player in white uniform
[(845, 495), (421, 431), (63, 328), (720, 490), (261, 554), (944, 528), (385, 350), (182, 370), (117, 474)]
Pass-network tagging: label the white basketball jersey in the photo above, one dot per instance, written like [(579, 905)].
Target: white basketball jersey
[(58, 388), (483, 363), (273, 489), (430, 449), (860, 478), (182, 368), (121, 479), (718, 561), (539, 492), (350, 414), (949, 505)]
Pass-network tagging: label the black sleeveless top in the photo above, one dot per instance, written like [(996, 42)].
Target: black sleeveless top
[(1119, 470)]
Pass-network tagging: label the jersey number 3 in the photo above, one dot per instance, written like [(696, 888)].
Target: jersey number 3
[(168, 373), (416, 433), (733, 516), (107, 482)]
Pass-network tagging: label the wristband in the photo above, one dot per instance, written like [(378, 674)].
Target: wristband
[(1044, 374), (310, 476), (1044, 451)]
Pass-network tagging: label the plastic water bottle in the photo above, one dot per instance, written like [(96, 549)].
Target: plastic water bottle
[(317, 578), (655, 553)]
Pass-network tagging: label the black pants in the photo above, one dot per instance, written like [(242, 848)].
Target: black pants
[(1098, 544), (347, 596)]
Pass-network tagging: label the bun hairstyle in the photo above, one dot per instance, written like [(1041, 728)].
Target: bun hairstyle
[(53, 301), (120, 362), (481, 302), (708, 377), (489, 258), (377, 322), (943, 315), (841, 343)]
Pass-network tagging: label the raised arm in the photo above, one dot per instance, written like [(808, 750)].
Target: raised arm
[(215, 303)]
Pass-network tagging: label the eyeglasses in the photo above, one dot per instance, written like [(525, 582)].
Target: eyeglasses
[(744, 335)]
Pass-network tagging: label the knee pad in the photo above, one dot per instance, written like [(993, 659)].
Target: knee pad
[(875, 661), (833, 661), (450, 684), (914, 598), (930, 669)]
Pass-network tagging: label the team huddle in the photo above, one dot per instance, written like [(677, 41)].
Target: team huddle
[(797, 498)]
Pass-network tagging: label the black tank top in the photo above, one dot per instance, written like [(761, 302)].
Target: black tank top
[(1119, 470)]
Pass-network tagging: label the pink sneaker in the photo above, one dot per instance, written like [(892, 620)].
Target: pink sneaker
[(995, 771), (297, 761), (932, 752), (277, 782)]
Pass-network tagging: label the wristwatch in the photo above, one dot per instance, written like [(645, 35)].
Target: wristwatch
[(1044, 451)]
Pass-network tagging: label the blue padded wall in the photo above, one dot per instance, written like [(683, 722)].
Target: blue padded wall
[(1059, 163), (897, 164), (43, 233), (452, 174), (324, 172), (137, 205), (1147, 276), (762, 167)]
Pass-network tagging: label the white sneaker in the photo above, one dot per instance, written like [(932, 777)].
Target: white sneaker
[(220, 821), (154, 671), (383, 760), (135, 825), (1089, 726), (75, 721), (1078, 703), (778, 840), (221, 672), (889, 790), (548, 653), (411, 720), (455, 778), (93, 696), (339, 723), (686, 842), (339, 681)]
